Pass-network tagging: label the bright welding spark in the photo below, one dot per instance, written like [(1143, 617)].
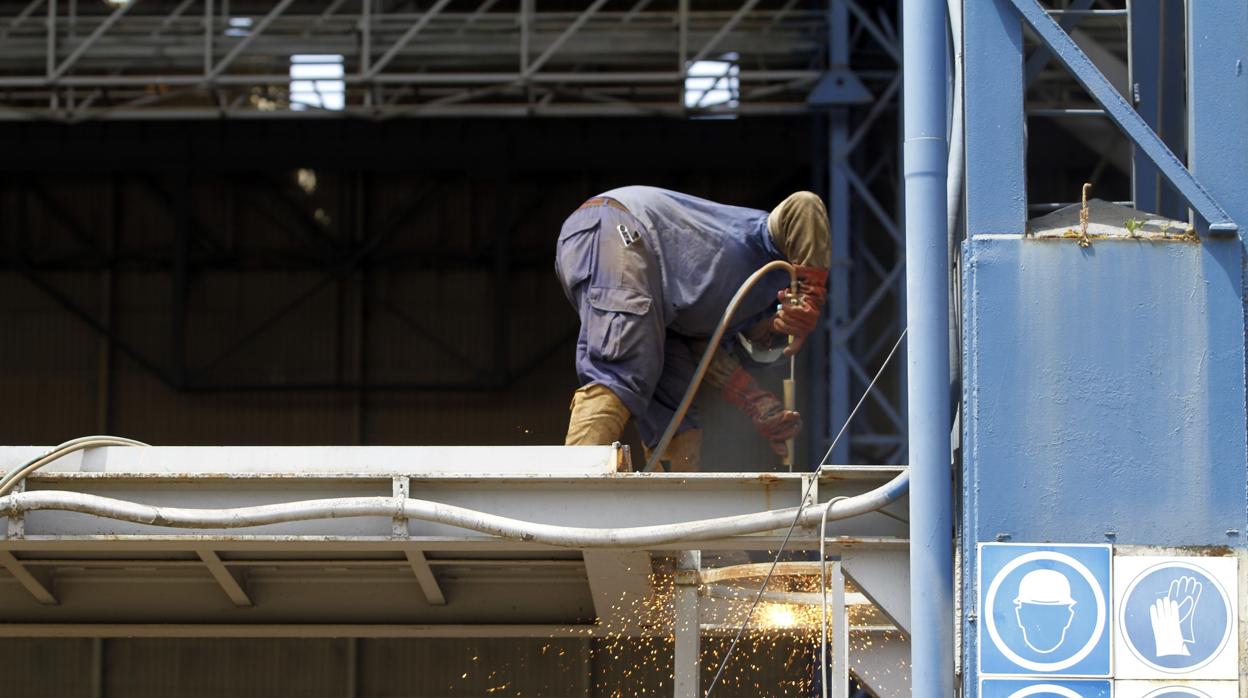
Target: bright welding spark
[(776, 616)]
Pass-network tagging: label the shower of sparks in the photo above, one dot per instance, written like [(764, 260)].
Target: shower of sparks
[(630, 653)]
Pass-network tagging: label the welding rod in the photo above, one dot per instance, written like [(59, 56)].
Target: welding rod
[(790, 385), (789, 405)]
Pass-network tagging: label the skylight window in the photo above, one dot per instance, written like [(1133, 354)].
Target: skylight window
[(714, 83), (316, 82), (238, 26)]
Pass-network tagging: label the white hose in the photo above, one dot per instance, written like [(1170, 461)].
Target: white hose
[(437, 512), (11, 478)]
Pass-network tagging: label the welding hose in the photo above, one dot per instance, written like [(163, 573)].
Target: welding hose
[(11, 478), (451, 515), (679, 415)]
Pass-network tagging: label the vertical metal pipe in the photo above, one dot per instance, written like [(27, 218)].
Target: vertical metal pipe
[(51, 40), (687, 679), (208, 24), (526, 19), (927, 356), (682, 50), (838, 658), (97, 668)]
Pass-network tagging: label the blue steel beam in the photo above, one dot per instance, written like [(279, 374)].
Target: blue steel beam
[(996, 151), (1117, 108), (927, 356)]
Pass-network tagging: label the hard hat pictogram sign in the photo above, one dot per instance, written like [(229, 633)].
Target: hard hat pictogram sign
[(1045, 688), (1176, 617), (1044, 610)]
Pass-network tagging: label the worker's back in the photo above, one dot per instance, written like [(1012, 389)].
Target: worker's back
[(705, 250)]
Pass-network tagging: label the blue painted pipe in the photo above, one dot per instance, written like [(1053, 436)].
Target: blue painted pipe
[(927, 356)]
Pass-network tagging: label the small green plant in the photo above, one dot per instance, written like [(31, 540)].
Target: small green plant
[(1133, 226)]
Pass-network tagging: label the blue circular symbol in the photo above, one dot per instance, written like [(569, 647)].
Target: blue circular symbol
[(1045, 611), (1176, 619)]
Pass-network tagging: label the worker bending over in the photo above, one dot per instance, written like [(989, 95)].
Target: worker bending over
[(650, 272)]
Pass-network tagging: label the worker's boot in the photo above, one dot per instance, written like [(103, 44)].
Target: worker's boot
[(598, 417), (683, 452)]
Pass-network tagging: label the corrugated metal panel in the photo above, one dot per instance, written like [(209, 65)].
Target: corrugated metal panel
[(421, 668), (45, 668), (392, 668), (206, 668), (760, 666)]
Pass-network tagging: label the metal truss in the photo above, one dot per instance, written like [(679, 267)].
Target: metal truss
[(868, 248), (330, 259), (210, 59)]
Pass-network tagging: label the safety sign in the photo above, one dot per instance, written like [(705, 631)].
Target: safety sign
[(1044, 688), (1169, 689), (1176, 617), (1044, 609)]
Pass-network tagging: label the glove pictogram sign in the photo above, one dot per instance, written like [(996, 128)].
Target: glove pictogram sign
[(1176, 617)]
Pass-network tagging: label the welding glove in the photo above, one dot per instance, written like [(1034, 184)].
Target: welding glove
[(765, 410), (799, 313), (598, 417)]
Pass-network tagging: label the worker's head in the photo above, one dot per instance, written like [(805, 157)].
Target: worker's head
[(799, 230), (1044, 609)]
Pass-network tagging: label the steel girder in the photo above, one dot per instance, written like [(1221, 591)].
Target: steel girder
[(199, 59)]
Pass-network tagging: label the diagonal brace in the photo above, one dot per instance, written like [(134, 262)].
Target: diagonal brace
[(224, 578), (560, 40), (256, 31), (424, 576), (21, 17), (87, 43), (1131, 123), (407, 37), (26, 579), (723, 31)]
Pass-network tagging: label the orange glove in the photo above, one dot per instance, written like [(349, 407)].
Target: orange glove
[(799, 314), (770, 419)]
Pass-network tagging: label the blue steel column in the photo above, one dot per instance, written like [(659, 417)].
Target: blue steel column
[(1217, 70), (996, 203), (927, 356)]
